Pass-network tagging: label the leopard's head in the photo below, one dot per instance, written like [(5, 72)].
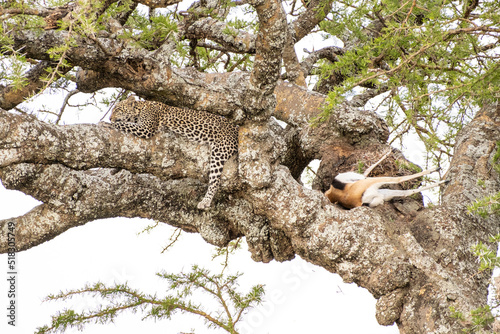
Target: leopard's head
[(125, 111)]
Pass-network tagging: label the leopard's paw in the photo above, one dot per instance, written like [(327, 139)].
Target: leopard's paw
[(204, 204)]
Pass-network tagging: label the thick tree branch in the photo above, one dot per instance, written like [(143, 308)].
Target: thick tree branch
[(476, 145), (78, 197), (48, 144), (142, 71), (291, 62), (231, 39), (135, 195), (157, 3), (269, 50), (305, 22), (329, 53), (298, 29), (42, 12)]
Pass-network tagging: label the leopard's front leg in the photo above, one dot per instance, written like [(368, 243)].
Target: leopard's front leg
[(132, 128), (212, 189), (217, 160)]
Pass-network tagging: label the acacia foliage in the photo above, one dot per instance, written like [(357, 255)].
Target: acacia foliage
[(114, 300), (439, 60)]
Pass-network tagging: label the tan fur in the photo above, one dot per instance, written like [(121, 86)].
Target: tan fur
[(351, 196), (144, 118)]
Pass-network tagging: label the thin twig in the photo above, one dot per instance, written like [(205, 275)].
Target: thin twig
[(65, 103), (173, 240)]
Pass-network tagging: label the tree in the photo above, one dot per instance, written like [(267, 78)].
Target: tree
[(434, 66), (182, 288)]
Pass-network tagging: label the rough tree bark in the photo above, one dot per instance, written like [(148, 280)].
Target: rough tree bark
[(414, 260)]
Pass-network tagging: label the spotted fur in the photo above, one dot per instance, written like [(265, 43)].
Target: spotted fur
[(143, 118)]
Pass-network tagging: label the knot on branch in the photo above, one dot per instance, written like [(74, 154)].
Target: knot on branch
[(360, 126), (392, 274), (16, 176), (258, 105), (236, 218), (266, 243), (88, 81), (389, 307), (214, 231), (116, 72)]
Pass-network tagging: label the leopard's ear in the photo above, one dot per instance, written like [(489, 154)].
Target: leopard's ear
[(131, 98)]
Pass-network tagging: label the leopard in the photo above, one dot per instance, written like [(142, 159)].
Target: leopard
[(144, 118)]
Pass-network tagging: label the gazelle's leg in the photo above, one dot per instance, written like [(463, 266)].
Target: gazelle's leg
[(361, 186), (390, 194), (368, 190), (367, 172), (414, 176)]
